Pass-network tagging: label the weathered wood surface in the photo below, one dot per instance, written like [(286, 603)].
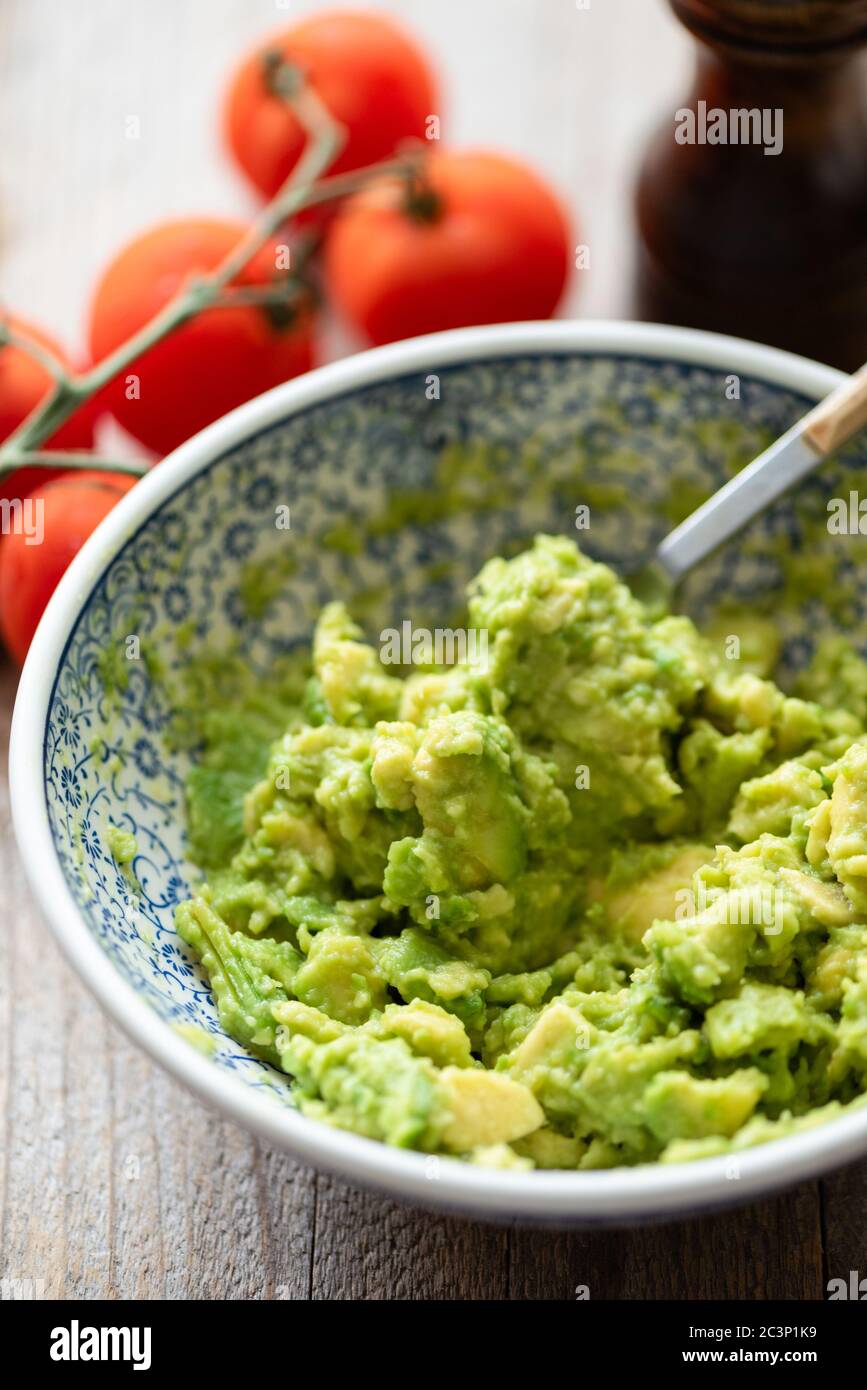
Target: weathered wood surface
[(114, 1183)]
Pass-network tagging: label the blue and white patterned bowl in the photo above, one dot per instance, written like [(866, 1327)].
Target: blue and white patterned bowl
[(403, 469)]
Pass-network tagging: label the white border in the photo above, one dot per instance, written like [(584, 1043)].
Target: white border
[(617, 1195)]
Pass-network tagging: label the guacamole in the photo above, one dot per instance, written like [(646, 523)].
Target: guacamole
[(599, 898)]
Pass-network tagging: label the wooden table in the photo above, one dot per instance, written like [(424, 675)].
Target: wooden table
[(114, 1182)]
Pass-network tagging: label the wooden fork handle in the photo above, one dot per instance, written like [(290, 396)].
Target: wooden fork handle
[(838, 416)]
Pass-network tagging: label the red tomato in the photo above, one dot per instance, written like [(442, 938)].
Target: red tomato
[(23, 384), (486, 241), (366, 70), (219, 359), (71, 508)]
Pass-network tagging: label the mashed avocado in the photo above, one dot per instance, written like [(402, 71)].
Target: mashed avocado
[(599, 899)]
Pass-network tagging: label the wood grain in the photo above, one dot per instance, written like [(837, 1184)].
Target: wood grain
[(114, 1182)]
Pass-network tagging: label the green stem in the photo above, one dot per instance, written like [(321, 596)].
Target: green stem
[(259, 295), (43, 355), (325, 140), (48, 416), (68, 458), (340, 185), (303, 189)]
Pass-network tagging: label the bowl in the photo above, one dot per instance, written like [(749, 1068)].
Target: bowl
[(401, 469)]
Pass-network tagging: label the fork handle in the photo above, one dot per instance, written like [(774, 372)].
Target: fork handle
[(839, 415), (795, 455)]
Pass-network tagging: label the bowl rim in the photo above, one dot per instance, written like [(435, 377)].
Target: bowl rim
[(618, 1195)]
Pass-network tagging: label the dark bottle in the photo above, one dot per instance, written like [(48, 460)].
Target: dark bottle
[(771, 246)]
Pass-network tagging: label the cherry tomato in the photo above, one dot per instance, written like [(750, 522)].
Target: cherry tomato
[(211, 364), (23, 384), (71, 508), (483, 240), (367, 71)]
